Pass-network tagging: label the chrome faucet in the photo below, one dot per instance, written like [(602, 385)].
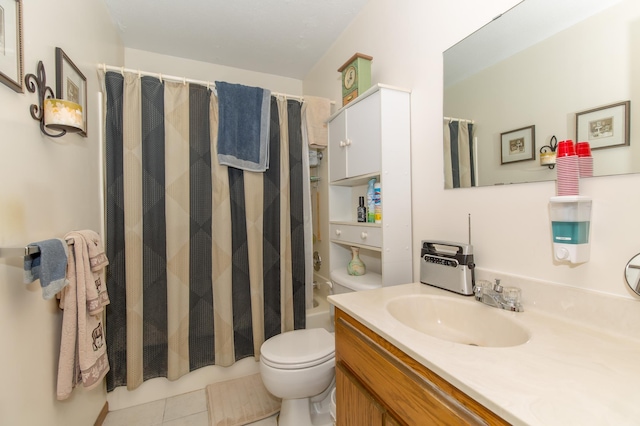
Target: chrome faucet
[(495, 296)]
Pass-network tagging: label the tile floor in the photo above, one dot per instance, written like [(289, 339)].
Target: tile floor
[(189, 409)]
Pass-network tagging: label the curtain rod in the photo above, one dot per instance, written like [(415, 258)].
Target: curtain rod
[(459, 119), (184, 80)]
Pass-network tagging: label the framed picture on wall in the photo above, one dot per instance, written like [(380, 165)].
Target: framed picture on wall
[(518, 145), (11, 54), (604, 127), (71, 85)]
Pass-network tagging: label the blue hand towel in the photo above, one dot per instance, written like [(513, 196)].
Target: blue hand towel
[(49, 266), (243, 126)]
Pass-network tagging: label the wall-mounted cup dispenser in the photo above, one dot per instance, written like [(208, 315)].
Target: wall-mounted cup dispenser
[(570, 223)]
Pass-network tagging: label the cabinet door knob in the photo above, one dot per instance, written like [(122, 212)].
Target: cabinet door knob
[(363, 235), (338, 232), (343, 144), (348, 142)]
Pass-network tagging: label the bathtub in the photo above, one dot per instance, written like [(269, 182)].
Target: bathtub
[(319, 315)]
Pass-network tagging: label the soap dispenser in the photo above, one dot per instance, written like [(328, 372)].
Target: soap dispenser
[(570, 226)]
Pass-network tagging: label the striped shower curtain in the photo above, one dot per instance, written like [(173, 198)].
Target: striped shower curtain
[(207, 261), (459, 154)]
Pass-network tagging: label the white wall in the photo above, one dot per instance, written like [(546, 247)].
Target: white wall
[(511, 229), (180, 67), (49, 187)]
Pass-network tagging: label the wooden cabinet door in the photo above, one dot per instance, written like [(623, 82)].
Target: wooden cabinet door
[(354, 405)]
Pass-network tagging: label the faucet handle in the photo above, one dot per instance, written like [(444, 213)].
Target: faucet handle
[(480, 286), (497, 287), (512, 295), (477, 292)]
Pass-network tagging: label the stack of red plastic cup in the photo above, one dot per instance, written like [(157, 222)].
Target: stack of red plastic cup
[(585, 160), (568, 168)]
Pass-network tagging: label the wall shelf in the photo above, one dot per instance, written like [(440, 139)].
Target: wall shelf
[(371, 138)]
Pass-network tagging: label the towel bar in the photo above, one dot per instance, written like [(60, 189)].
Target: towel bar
[(22, 251)]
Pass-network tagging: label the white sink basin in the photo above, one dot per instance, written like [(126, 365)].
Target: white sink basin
[(467, 322)]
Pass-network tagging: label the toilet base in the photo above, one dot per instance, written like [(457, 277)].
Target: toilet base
[(295, 412), (302, 412)]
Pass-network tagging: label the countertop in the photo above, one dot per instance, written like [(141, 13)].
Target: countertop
[(568, 373)]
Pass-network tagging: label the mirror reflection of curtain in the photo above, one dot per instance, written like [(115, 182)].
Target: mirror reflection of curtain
[(459, 153), (206, 261)]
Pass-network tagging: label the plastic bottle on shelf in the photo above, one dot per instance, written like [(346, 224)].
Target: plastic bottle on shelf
[(370, 202), (362, 210), (377, 201)]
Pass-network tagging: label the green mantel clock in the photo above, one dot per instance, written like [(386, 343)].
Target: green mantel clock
[(356, 76)]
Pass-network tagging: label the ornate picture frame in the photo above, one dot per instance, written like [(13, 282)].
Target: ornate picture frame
[(11, 45), (518, 145), (605, 127), (71, 85)]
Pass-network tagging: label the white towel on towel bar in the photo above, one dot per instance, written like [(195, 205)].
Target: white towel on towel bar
[(83, 355)]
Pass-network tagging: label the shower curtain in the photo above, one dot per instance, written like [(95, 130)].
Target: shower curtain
[(207, 261), (459, 154)]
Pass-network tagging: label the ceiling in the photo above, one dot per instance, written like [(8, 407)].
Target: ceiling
[(280, 37)]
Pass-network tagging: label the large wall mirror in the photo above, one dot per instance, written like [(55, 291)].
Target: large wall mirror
[(527, 75)]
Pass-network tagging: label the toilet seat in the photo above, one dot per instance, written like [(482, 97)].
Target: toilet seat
[(298, 349)]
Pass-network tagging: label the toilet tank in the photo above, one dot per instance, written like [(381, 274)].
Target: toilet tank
[(342, 282)]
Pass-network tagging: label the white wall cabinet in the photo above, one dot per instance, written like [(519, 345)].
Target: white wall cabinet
[(355, 139), (371, 138)]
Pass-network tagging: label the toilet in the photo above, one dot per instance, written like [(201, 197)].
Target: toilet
[(299, 366)]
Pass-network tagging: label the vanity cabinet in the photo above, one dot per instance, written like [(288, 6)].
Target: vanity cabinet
[(378, 384), (371, 138)]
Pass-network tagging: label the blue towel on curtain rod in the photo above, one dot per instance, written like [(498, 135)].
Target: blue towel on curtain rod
[(243, 127), (49, 265)]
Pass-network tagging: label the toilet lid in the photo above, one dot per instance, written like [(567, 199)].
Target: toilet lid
[(298, 349), (368, 281)]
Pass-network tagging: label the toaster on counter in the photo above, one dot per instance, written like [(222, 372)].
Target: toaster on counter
[(447, 265)]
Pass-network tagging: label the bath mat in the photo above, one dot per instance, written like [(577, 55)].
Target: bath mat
[(240, 401)]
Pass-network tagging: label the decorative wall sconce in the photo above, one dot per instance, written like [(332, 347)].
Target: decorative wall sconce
[(55, 114), (548, 153)]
